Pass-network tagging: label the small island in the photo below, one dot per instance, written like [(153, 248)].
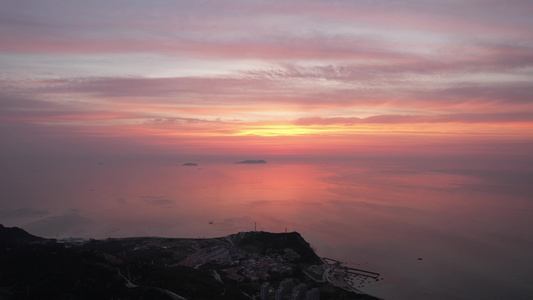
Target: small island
[(189, 164), (245, 265), (251, 161)]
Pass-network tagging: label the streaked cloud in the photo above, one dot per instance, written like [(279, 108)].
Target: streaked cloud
[(198, 74), (406, 119)]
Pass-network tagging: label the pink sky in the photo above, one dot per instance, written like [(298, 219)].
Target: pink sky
[(273, 77), (417, 116)]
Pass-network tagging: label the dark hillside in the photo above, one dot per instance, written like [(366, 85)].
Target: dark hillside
[(14, 235), (262, 242), (232, 267)]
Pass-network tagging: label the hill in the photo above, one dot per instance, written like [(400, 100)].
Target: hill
[(10, 236), (265, 242), (232, 267), (251, 161)]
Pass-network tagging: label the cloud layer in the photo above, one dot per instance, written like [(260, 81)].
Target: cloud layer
[(201, 73)]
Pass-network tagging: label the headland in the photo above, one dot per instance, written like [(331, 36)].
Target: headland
[(246, 265)]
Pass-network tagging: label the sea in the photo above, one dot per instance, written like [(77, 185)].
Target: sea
[(433, 227)]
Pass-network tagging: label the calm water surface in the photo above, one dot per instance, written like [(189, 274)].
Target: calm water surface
[(469, 220)]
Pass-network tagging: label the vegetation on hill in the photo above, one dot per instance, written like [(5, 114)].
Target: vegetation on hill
[(233, 267), (266, 242)]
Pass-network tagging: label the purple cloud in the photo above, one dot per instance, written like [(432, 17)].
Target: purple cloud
[(411, 119)]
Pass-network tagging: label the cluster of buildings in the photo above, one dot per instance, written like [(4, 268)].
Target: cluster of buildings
[(288, 291), (221, 254), (242, 265), (257, 268)]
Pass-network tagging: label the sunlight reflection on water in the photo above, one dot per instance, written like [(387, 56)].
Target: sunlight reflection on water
[(468, 222)]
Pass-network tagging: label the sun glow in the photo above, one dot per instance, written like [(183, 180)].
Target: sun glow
[(317, 130), (285, 130)]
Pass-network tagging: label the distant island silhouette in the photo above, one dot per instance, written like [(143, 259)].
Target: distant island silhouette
[(251, 161)]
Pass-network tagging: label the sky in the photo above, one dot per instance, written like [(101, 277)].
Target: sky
[(267, 77), (427, 105)]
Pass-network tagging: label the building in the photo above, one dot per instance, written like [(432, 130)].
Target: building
[(284, 289), (265, 291), (295, 295), (313, 294), (298, 292)]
